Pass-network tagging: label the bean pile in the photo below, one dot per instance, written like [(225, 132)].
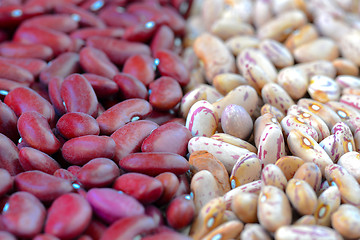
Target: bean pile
[(122, 120)]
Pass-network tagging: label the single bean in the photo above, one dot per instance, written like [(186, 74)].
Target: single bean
[(227, 230), (227, 28), (275, 95), (310, 173), (328, 202), (130, 87), (254, 231), (346, 220), (236, 121), (278, 54), (347, 47), (252, 187), (302, 35), (345, 67), (302, 196), (306, 220), (244, 205), (76, 124), (165, 93), (8, 122), (141, 67), (310, 51), (65, 174), (223, 137), (180, 212), (323, 89), (163, 39), (226, 82), (85, 33), (291, 78), (273, 175), (170, 183), (350, 161), (22, 50), (289, 165), (255, 76), (238, 43), (246, 169), (59, 22), (33, 159), (306, 231), (318, 67)]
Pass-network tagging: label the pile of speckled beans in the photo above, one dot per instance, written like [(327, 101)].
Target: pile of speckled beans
[(175, 119)]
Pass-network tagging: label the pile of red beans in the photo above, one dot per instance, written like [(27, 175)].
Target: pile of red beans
[(91, 145)]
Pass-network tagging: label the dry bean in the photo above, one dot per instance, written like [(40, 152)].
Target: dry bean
[(227, 230), (319, 67), (226, 82), (278, 54), (323, 89), (302, 196), (223, 137), (351, 162), (260, 124), (348, 46), (291, 122), (272, 175), (255, 76), (345, 67), (244, 205), (275, 95), (306, 220), (238, 43), (310, 173), (236, 121), (254, 231), (180, 212), (293, 81), (289, 165), (227, 28), (246, 169), (346, 220), (302, 35), (310, 51), (303, 232), (328, 202), (252, 187)]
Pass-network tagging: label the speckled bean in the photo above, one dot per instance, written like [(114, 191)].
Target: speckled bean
[(323, 89), (328, 202), (306, 220), (226, 82), (227, 28), (293, 81), (254, 231), (310, 51), (236, 121), (302, 35), (223, 137), (227, 230), (346, 220), (289, 165), (291, 122), (255, 76), (302, 196), (306, 232), (348, 47), (319, 67), (275, 95), (246, 169), (351, 162), (310, 173), (238, 43), (260, 124), (272, 175), (278, 54)]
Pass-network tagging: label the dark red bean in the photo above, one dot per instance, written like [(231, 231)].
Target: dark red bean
[(95, 229), (24, 216), (68, 216), (148, 12), (165, 93), (85, 33), (99, 172), (59, 22), (7, 85), (54, 88), (129, 228), (45, 236), (130, 87), (49, 5), (8, 121), (154, 163), (141, 67), (82, 149), (110, 205), (33, 65), (62, 66), (9, 157), (64, 174), (44, 186), (180, 212), (161, 117), (118, 50), (167, 235), (176, 22), (23, 99), (95, 61), (36, 132), (144, 188), (141, 32), (78, 95), (103, 87), (9, 20), (171, 65), (122, 113), (170, 183), (6, 182), (22, 50), (163, 39), (77, 124), (4, 235), (155, 213), (115, 18), (15, 73), (33, 159), (169, 137)]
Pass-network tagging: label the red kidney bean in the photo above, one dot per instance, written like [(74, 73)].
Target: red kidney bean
[(68, 216), (62, 66), (170, 183), (22, 50), (169, 137), (122, 113), (177, 120), (166, 235), (155, 213), (148, 12), (130, 86), (144, 188), (87, 19), (154, 163), (24, 215), (118, 50), (9, 20), (180, 212), (23, 99), (9, 157), (33, 159), (49, 5), (77, 124), (115, 18), (54, 88), (110, 205), (102, 86), (59, 22), (15, 73), (85, 33), (74, 169), (45, 236), (141, 67), (6, 182), (95, 229), (59, 42), (44, 186), (33, 65), (78, 95), (64, 174), (8, 121), (129, 138), (81, 150), (171, 65), (163, 39), (184, 186), (165, 93), (6, 236), (99, 172), (95, 61), (92, 5), (161, 117), (36, 132), (129, 228), (141, 32), (7, 85)]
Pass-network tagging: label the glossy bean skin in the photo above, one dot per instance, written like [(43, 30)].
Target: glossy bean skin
[(290, 122), (15, 73), (122, 113), (167, 235), (246, 169), (274, 94), (59, 22), (68, 216), (33, 159), (141, 67), (180, 206), (310, 173), (21, 50), (231, 117), (102, 86), (328, 202), (165, 93), (303, 231), (154, 163), (81, 150), (223, 137), (162, 39), (129, 228), (289, 165), (229, 229), (9, 159), (98, 172), (76, 124), (85, 33), (144, 188), (159, 140), (33, 65), (244, 205), (65, 174), (251, 187), (78, 95), (129, 138), (42, 185), (24, 207), (345, 220), (24, 99), (130, 87), (302, 196), (6, 183), (35, 131)]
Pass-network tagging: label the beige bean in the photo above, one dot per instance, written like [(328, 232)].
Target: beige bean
[(302, 196), (304, 232), (318, 49), (304, 34), (293, 81), (262, 13), (241, 10), (211, 11), (351, 100), (223, 137), (227, 28), (345, 81), (189, 99), (357, 139), (202, 119), (289, 165), (305, 220), (272, 175), (227, 230), (254, 231), (226, 82), (196, 78), (280, 27), (244, 205), (278, 54), (238, 43), (349, 46), (246, 169), (214, 54), (350, 91), (328, 202), (236, 121), (226, 153), (331, 26), (346, 220), (323, 89), (319, 67), (229, 216), (280, 6), (273, 208), (347, 184), (291, 122), (345, 67), (275, 95), (252, 187), (351, 162), (267, 108), (310, 173), (255, 76)]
